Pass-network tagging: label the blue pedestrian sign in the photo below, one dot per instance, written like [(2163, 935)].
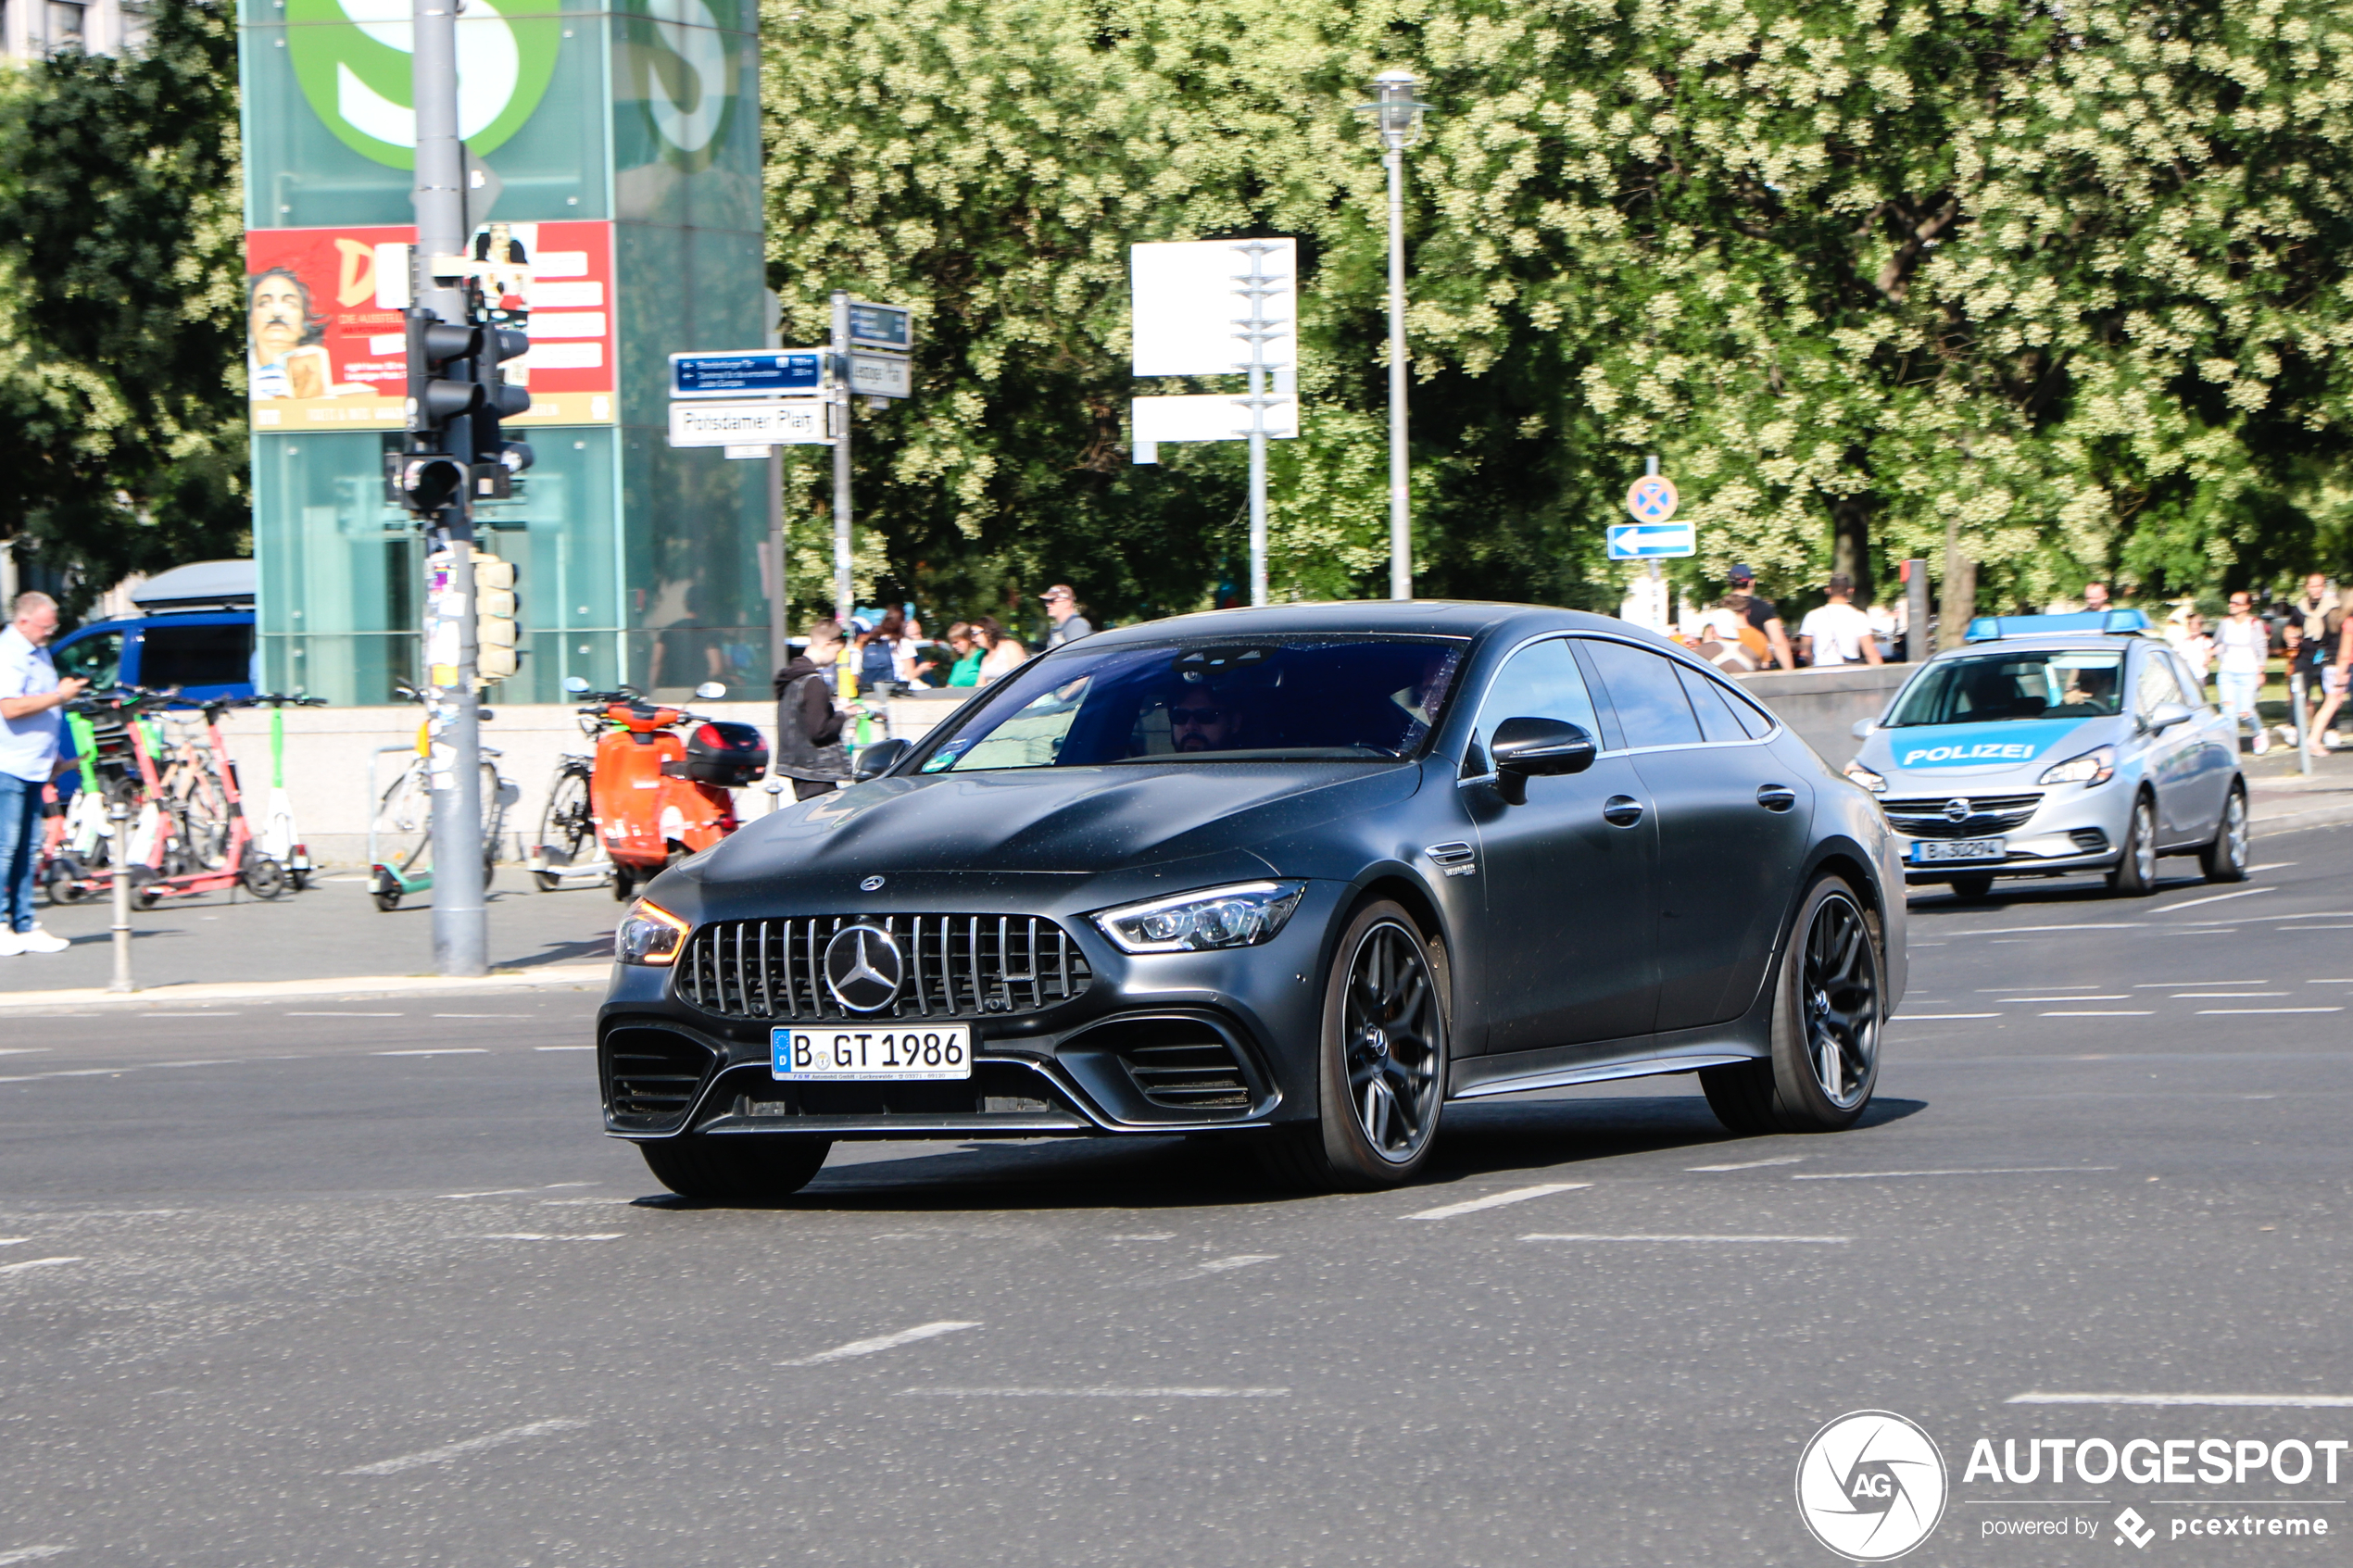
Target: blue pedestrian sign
[(1650, 541), (772, 372)]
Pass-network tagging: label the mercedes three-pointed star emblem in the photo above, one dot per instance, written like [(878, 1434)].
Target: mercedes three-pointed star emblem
[(864, 968)]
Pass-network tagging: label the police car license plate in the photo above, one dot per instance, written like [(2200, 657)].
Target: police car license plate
[(1938, 849), (867, 1056)]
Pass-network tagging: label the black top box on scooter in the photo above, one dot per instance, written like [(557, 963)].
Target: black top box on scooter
[(730, 756)]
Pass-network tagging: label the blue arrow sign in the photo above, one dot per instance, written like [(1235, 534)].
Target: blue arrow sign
[(1646, 541), (749, 373)]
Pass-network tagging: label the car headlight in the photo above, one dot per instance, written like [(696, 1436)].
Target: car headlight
[(648, 935), (1241, 916), (2096, 766), (1867, 779)]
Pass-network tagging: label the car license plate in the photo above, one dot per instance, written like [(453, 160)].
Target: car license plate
[(867, 1056), (1933, 850)]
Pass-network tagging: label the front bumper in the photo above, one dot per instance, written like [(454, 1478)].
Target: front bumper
[(2074, 827), (1155, 1043)]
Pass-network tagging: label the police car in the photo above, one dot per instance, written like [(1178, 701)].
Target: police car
[(2054, 745)]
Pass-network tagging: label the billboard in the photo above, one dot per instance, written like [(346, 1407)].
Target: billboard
[(321, 354)]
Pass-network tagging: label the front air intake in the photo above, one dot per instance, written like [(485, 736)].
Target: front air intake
[(1181, 1064), (652, 1076)]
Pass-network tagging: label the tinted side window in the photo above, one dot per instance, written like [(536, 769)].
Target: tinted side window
[(1646, 694), (1716, 721), (195, 656), (95, 658), (2192, 688), (1542, 681)]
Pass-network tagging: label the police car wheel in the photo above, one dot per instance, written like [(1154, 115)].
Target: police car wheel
[(2136, 873), (2225, 860), (1977, 884), (746, 1170)]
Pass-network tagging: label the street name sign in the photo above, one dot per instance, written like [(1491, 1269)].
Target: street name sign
[(888, 327), (754, 372), (881, 375), (768, 421), (1650, 541)]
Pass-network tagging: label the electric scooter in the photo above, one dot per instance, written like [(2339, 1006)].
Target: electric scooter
[(656, 797)]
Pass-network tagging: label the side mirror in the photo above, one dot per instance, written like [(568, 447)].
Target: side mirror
[(711, 689), (880, 757), (2165, 715), (1525, 747), (575, 685), (1863, 728)]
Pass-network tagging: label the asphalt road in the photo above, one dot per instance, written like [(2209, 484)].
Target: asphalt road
[(320, 1283)]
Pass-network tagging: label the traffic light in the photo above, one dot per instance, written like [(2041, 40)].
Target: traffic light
[(496, 618), (496, 457), (442, 395)]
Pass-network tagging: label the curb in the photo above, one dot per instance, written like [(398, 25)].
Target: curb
[(554, 977), (2279, 812)]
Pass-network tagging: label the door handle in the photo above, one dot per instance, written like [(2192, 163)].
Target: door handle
[(1776, 797), (1621, 810)]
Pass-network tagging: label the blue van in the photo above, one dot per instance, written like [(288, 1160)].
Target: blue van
[(195, 631)]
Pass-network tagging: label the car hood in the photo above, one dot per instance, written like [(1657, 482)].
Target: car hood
[(1933, 756), (1034, 820)]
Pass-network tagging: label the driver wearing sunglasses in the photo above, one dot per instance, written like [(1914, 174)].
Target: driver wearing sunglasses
[(1199, 722)]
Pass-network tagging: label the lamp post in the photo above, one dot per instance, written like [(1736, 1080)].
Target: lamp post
[(1398, 115)]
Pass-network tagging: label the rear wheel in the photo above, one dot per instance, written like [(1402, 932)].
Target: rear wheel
[(1829, 995), (263, 877), (624, 885), (1381, 1076), (744, 1168), (2136, 873), (1977, 884), (2225, 860), (567, 831)]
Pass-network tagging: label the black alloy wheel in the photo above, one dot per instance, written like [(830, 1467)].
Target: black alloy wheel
[(741, 1170), (1383, 1064), (2226, 857), (1828, 1008), (2136, 873)]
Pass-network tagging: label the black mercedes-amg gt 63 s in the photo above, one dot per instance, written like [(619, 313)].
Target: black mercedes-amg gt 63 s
[(1300, 876)]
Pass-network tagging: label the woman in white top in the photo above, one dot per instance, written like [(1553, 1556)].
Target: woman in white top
[(1005, 651), (2241, 645)]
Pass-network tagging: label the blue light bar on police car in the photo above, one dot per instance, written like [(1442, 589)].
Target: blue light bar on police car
[(2114, 622)]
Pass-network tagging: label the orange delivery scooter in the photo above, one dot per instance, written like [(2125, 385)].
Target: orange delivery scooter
[(658, 796)]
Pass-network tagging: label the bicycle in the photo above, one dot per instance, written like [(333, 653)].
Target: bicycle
[(404, 815)]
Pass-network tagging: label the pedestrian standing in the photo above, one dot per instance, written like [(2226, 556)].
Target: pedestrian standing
[(1763, 616), (2095, 600), (2335, 675), (1005, 652), (2319, 623), (878, 654), (964, 644), (1062, 609), (33, 701), (809, 749), (1838, 632), (2242, 644)]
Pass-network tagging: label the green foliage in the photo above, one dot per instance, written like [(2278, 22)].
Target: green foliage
[(122, 348)]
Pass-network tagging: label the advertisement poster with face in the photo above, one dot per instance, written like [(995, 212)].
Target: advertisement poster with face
[(322, 352)]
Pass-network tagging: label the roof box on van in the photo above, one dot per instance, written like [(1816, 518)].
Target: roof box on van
[(204, 584)]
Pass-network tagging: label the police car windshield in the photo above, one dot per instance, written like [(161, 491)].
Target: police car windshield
[(1988, 687)]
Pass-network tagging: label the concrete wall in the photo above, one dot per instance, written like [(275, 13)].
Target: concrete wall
[(1822, 704)]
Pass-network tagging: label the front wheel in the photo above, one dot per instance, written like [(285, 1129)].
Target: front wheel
[(1829, 1005), (1381, 1072), (263, 877), (746, 1170), (2136, 873), (2225, 860), (1977, 884)]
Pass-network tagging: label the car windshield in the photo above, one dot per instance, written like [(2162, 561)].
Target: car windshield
[(2044, 684), (1350, 700)]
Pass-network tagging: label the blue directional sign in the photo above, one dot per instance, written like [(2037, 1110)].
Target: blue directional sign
[(1650, 541), (772, 372)]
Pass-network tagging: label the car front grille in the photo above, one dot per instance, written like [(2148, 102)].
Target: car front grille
[(956, 966), (1928, 816)]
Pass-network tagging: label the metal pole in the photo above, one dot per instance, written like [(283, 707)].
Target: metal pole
[(1915, 612), (2296, 704), (776, 648), (1254, 328), (461, 932), (118, 816), (844, 590), (1400, 524)]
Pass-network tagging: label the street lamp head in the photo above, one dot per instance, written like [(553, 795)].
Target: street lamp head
[(1396, 111)]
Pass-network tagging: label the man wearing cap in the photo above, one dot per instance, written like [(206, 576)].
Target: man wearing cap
[(1062, 609), (1762, 615)]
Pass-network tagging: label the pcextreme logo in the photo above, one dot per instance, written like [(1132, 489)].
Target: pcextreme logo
[(353, 59), (1870, 1486)]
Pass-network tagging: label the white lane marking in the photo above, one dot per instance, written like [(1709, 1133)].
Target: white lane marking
[(1097, 1392), (24, 1050), (32, 1555), (2078, 925), (563, 1047), (343, 1015), (443, 1050), (922, 1331), (2312, 927), (481, 1015), (1199, 1271), (1753, 1164), (14, 1240), (2273, 866), (36, 1263), (2243, 1012), (1937, 1017), (540, 1235), (1142, 1236), (2114, 999), (1736, 1240), (1986, 1170), (2235, 1401), (1989, 990), (444, 1454), (519, 1192), (2256, 920), (2216, 898), (2168, 984), (1497, 1199), (2219, 995), (2332, 981), (2095, 1012)]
